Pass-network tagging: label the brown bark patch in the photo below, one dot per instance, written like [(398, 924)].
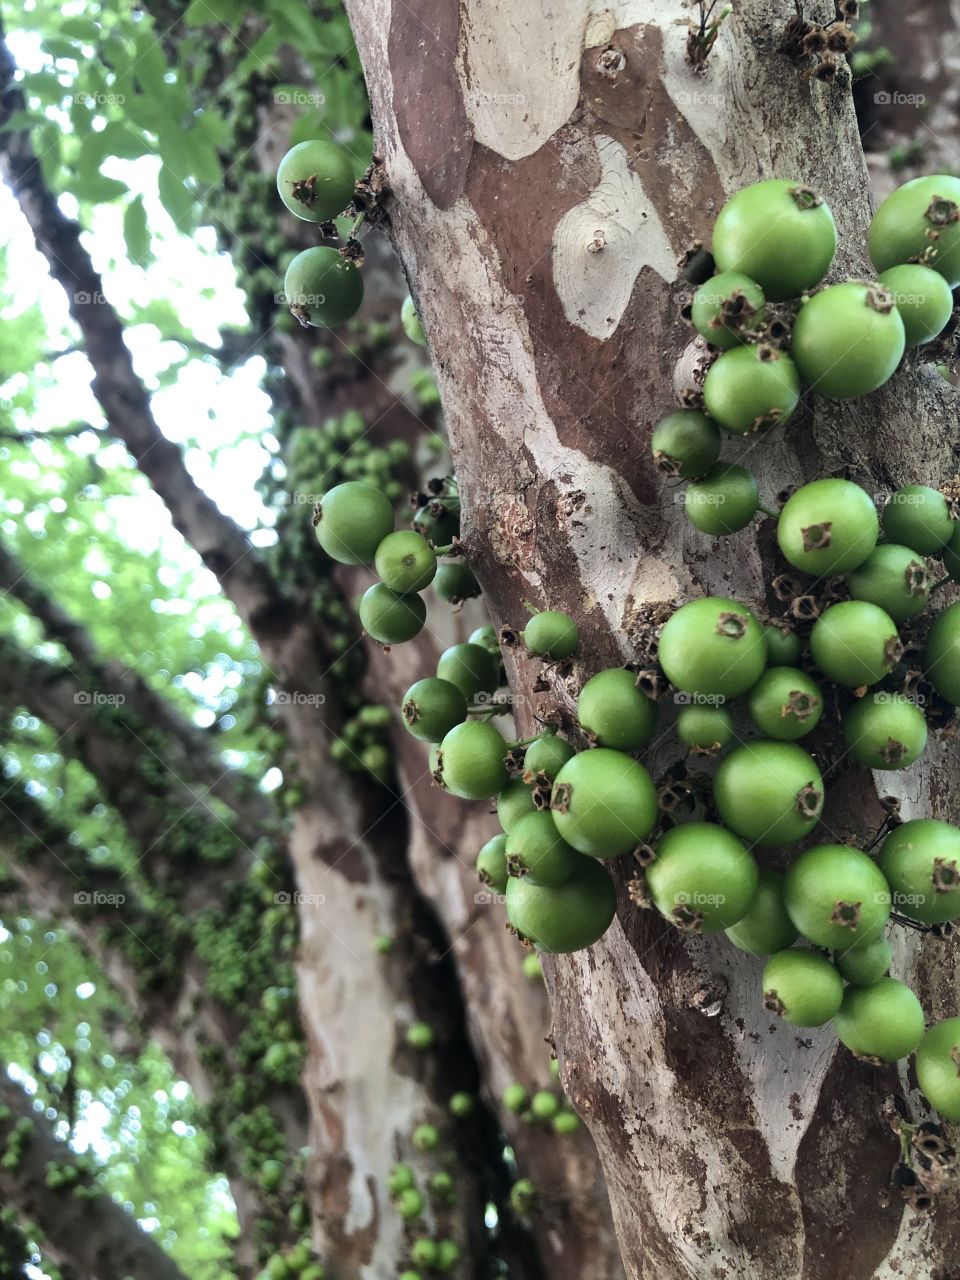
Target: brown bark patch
[(431, 118)]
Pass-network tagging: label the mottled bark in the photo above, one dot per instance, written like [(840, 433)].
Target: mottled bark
[(542, 191)]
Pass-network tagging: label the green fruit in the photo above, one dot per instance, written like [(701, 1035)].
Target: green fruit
[(837, 897), (322, 288), (726, 307), (405, 562), (514, 802), (461, 1105), (938, 1067), (941, 654), (425, 1137), (848, 340), (532, 968), (315, 180), (922, 297), (802, 987), (724, 501), (768, 792), (523, 1196), (703, 878), (409, 1204), (438, 521), (546, 757), (472, 760), (893, 578), (351, 521), (271, 1174), (827, 527), (486, 638), (885, 731), (566, 917), (686, 443), (779, 233), (424, 1252), (448, 1255), (855, 643), (471, 668), (544, 1105), (551, 635), (400, 1179), (420, 1036), (432, 707), (783, 646), (410, 1275), (603, 803), (411, 322), (785, 704), (713, 647), (918, 517), (455, 582), (706, 728), (751, 389), (921, 861), (565, 1122), (390, 618), (613, 711), (492, 864), (863, 966), (535, 850), (515, 1098), (883, 1022), (951, 554), (766, 927), (919, 222)]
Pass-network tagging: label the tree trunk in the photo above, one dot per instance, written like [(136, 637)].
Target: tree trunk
[(547, 166)]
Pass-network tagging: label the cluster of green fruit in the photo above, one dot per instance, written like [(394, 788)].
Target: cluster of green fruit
[(410, 1200), (316, 182), (339, 451), (297, 1263), (773, 243), (541, 1106), (354, 524), (363, 746)]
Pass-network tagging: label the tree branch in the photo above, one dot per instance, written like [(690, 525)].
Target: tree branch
[(189, 752), (221, 544), (82, 1228)]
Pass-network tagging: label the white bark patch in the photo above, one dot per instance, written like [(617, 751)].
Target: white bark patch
[(601, 246)]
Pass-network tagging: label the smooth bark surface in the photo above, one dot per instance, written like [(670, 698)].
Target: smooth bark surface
[(547, 166)]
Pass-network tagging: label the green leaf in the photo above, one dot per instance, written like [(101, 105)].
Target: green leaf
[(84, 29), (202, 13), (175, 197), (202, 160), (96, 188), (136, 232)]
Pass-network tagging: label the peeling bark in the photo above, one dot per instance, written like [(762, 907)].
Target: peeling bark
[(729, 1148)]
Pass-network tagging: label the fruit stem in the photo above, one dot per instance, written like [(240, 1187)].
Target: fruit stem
[(774, 515), (357, 224), (489, 709), (530, 609), (444, 551), (523, 742), (942, 583), (910, 924)]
